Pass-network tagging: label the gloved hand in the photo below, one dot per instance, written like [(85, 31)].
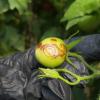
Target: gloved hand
[(47, 89), (18, 78), (15, 71), (19, 81), (89, 47)]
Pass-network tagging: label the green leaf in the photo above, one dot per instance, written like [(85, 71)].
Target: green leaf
[(20, 5), (77, 20), (4, 6), (80, 8), (72, 23)]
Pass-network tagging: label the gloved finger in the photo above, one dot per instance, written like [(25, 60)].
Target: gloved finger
[(3, 69), (23, 60), (89, 47), (47, 94), (37, 89), (62, 90), (33, 87), (49, 89)]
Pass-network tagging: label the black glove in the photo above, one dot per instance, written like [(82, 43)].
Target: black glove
[(15, 71), (89, 47), (18, 77), (47, 89), (19, 81)]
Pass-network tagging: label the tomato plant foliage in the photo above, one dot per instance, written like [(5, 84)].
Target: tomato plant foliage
[(81, 12)]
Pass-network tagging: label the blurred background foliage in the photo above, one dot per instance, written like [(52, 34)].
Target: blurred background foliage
[(24, 22)]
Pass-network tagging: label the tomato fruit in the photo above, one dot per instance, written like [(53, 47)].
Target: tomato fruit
[(51, 52)]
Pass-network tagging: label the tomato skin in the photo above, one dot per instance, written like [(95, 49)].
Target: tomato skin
[(51, 52)]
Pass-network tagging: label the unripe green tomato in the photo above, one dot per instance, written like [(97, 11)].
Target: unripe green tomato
[(51, 52)]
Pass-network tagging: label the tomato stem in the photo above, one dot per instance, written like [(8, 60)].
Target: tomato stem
[(77, 77), (82, 60), (70, 62)]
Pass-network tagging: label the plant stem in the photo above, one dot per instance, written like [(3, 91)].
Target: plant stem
[(77, 77), (84, 62), (70, 62)]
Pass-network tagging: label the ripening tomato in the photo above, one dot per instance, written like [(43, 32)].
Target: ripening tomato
[(51, 52)]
